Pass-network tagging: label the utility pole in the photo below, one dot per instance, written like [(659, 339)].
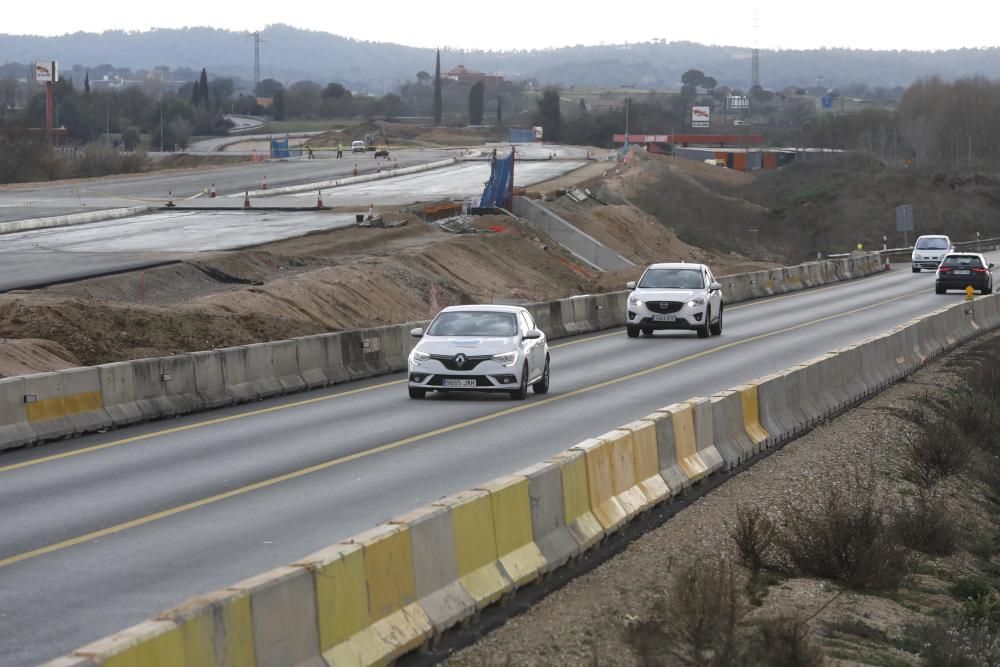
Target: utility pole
[(256, 62), (161, 124)]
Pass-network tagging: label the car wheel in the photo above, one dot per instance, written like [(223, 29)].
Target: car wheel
[(647, 332), (939, 289), (522, 391), (716, 328), (417, 393), (633, 332), (703, 330), (916, 269), (542, 386), (987, 290)]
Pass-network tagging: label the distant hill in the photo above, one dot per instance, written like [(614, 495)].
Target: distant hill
[(291, 54)]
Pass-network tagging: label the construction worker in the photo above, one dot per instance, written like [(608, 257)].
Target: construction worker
[(311, 156), (340, 149)]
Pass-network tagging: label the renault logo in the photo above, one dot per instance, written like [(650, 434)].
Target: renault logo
[(460, 360)]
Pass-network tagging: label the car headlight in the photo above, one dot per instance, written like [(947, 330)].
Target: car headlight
[(634, 301), (917, 257), (417, 357), (506, 358), (697, 301)]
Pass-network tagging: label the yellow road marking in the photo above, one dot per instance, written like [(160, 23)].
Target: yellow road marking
[(149, 518), (309, 401)]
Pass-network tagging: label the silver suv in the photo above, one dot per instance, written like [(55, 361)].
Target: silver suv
[(480, 348), (675, 296)]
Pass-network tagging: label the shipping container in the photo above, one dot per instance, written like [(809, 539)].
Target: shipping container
[(770, 160)]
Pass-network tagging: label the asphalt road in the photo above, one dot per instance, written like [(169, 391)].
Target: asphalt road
[(330, 463), (44, 256)]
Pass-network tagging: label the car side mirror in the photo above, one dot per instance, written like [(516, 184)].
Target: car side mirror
[(630, 284), (532, 334), (715, 287), (417, 333), (991, 265)]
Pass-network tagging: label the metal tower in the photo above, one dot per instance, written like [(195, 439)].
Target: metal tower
[(755, 75), (256, 63)]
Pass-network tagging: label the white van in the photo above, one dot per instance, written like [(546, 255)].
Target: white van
[(929, 250), (357, 147)]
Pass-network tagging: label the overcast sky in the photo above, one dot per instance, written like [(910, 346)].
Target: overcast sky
[(520, 24)]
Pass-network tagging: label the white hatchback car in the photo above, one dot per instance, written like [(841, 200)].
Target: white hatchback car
[(480, 348), (675, 296), (928, 251)]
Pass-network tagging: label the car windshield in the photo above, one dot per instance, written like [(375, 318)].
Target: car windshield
[(932, 244), (473, 323), (962, 260), (672, 279)]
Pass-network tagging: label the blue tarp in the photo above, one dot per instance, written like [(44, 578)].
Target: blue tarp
[(501, 184), (516, 136)]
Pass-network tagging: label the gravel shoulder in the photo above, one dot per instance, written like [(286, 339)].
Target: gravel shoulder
[(587, 621)]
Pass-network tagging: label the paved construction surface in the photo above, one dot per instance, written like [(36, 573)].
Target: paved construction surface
[(63, 584), (41, 200), (44, 256)]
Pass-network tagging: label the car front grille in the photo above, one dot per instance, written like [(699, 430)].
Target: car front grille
[(451, 362), (664, 307)]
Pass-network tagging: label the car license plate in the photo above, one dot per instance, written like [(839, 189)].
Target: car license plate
[(450, 382), (961, 272), (664, 318)]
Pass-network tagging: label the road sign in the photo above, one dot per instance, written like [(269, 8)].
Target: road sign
[(700, 123), (904, 218)]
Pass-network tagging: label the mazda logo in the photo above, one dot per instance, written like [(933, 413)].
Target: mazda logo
[(460, 360), (664, 304)]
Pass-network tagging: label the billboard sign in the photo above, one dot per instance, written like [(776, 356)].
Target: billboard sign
[(701, 116), (539, 131), (45, 71), (738, 102)]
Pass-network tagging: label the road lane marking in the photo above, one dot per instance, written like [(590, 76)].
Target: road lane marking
[(302, 472), (351, 392)]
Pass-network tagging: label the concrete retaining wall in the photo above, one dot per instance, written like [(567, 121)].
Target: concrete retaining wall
[(375, 597)]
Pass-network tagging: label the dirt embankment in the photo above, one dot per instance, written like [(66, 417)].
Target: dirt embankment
[(333, 281)]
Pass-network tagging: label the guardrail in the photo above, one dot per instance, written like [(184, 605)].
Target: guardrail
[(979, 245)]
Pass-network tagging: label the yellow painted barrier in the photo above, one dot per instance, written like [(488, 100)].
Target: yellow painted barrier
[(148, 644), (580, 520), (476, 547), (346, 633), (682, 415), (517, 552), (388, 557), (751, 414), (63, 406), (216, 629), (647, 461), (601, 485)]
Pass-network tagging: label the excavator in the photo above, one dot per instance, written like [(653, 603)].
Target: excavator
[(376, 141)]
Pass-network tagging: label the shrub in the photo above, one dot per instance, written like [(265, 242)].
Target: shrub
[(695, 622), (927, 526), (967, 588), (953, 644), (782, 642), (846, 537), (99, 159), (935, 452), (754, 537)]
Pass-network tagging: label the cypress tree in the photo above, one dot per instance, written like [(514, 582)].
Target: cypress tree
[(437, 89), (203, 87)]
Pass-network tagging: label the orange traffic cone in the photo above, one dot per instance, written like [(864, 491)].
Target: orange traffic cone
[(378, 169), (246, 200), (355, 170), (319, 199), (170, 199), (212, 191), (371, 211), (264, 184)]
